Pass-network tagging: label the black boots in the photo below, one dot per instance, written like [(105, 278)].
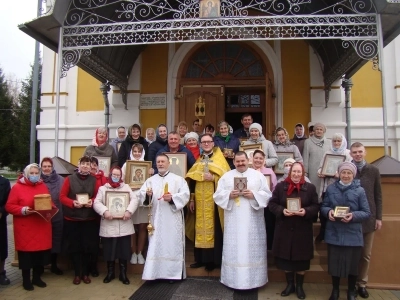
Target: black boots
[(26, 280), (299, 286), (54, 269), (335, 289), (36, 280), (290, 284), (110, 272), (123, 265), (351, 287)]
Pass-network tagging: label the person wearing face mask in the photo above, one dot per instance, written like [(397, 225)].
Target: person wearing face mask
[(344, 236), (54, 183), (100, 146), (256, 137), (160, 142), (314, 149), (121, 135), (150, 135), (116, 233), (299, 137), (293, 245), (32, 234), (80, 220), (338, 147), (226, 140), (134, 136)]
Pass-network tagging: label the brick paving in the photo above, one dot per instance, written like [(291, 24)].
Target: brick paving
[(61, 287)]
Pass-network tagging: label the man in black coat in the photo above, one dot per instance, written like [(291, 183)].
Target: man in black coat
[(5, 188)]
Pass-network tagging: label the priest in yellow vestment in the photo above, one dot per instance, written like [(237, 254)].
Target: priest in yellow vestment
[(208, 219)]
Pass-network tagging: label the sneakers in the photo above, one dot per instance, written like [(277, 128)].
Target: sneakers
[(140, 259), (134, 259)]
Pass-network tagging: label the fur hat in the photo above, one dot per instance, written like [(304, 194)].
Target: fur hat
[(256, 126), (191, 135)]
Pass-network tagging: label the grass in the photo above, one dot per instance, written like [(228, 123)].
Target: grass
[(12, 176)]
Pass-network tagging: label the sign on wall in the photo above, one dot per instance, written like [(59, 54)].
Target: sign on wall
[(153, 101)]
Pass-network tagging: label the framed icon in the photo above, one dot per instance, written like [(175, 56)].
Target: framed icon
[(210, 8), (340, 212), (279, 168), (117, 203), (293, 204), (82, 198), (331, 164), (177, 163), (104, 164), (249, 150), (137, 173), (240, 184), (269, 182)]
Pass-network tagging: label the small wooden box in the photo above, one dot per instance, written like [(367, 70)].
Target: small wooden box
[(42, 202)]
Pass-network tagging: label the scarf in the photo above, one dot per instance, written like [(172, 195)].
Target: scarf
[(96, 142), (293, 185), (195, 151), (299, 136), (342, 147), (319, 142), (226, 139), (112, 183), (360, 164)]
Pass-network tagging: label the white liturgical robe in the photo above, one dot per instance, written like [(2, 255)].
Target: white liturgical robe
[(244, 256), (166, 254)]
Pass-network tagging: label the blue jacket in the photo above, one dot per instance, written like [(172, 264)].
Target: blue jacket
[(233, 144), (190, 158), (346, 234)]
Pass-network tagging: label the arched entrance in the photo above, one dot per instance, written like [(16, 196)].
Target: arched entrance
[(233, 77)]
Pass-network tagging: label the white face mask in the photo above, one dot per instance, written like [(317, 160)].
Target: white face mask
[(286, 170)]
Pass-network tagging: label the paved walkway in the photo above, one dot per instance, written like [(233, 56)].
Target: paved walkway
[(61, 287)]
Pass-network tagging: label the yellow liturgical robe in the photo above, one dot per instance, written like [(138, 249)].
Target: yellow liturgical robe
[(204, 202)]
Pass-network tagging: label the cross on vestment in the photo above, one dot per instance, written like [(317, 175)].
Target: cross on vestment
[(206, 160)]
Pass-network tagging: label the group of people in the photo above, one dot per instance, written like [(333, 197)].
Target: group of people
[(224, 204)]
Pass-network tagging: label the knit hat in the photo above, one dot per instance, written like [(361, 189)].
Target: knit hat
[(320, 125), (191, 135), (256, 126), (348, 166), (289, 160)]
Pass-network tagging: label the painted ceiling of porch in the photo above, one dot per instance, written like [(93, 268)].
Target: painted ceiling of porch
[(117, 61)]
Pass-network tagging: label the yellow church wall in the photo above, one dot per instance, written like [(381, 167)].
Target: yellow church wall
[(296, 84), (89, 97), (367, 89), (76, 154), (373, 153), (154, 81)]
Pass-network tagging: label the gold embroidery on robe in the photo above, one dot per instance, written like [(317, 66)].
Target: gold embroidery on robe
[(204, 202)]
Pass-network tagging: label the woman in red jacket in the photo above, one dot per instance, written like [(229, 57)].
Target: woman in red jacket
[(32, 234), (80, 220)]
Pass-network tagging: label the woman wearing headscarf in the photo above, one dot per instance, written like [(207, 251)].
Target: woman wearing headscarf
[(150, 135), (224, 139), (32, 234), (293, 245), (54, 183), (286, 165), (299, 137), (121, 135), (256, 137), (160, 142), (344, 235), (338, 147), (116, 233), (314, 149), (80, 220), (100, 147), (134, 136), (192, 143)]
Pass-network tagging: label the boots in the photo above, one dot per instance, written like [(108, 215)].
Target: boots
[(335, 289), (123, 264), (290, 284), (110, 272), (54, 269), (26, 280), (36, 280), (351, 294), (299, 286), (351, 287)]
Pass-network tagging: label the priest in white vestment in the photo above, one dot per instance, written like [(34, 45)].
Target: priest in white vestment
[(244, 256), (168, 194)]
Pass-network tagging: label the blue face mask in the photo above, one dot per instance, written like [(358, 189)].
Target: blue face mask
[(115, 179), (33, 178)]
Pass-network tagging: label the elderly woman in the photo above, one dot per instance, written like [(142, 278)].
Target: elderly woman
[(134, 136), (258, 164), (338, 147), (287, 164), (80, 220), (314, 149), (344, 235), (100, 147), (54, 183), (283, 144), (256, 137), (226, 140), (150, 135), (160, 142), (121, 135), (32, 234), (293, 245), (192, 143), (116, 232)]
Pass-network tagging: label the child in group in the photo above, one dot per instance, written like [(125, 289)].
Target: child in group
[(140, 218)]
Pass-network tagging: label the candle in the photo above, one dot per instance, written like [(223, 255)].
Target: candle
[(166, 188)]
